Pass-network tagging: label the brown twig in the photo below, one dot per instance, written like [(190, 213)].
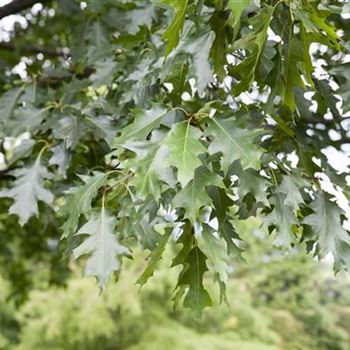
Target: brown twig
[(50, 52)]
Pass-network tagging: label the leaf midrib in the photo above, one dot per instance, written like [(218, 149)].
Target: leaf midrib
[(230, 137), (78, 208)]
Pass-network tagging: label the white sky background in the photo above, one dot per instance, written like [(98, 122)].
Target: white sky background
[(338, 160)]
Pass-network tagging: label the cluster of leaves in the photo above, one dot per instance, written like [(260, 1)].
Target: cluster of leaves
[(137, 131)]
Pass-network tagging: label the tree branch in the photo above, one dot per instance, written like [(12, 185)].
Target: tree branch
[(315, 120), (50, 52), (16, 6), (57, 81)]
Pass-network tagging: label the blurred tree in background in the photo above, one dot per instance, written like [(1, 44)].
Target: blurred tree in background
[(274, 303)]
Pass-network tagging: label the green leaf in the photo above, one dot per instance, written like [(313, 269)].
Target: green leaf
[(254, 43), (103, 127), (99, 45), (329, 99), (187, 240), (197, 297), (282, 218), (142, 82), (28, 118), (236, 7), (198, 47), (19, 151), (102, 246), (142, 226), (172, 33), (70, 129), (250, 181), (150, 169), (60, 157), (221, 210), (292, 75), (234, 143), (280, 122), (294, 53), (144, 122), (104, 71), (8, 103), (215, 250), (290, 186), (229, 233), (326, 223), (140, 17), (27, 190), (194, 196), (316, 26), (221, 201), (79, 200), (307, 63), (276, 85), (341, 73), (218, 49), (155, 257), (184, 147)]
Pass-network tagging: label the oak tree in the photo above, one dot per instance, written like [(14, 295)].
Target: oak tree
[(159, 123)]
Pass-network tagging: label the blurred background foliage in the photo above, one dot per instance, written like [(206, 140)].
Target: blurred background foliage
[(274, 303)]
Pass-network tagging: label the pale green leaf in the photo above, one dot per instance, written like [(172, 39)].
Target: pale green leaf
[(290, 186), (150, 169), (104, 71), (19, 151), (8, 103), (234, 143), (28, 118), (60, 157), (326, 223), (70, 128), (140, 17), (103, 127), (250, 181), (102, 245), (27, 190), (184, 147), (144, 122), (79, 200)]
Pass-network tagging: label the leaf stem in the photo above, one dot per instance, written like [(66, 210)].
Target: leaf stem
[(183, 110), (46, 146), (273, 177), (103, 199)]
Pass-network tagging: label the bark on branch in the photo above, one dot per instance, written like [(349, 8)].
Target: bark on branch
[(49, 52)]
